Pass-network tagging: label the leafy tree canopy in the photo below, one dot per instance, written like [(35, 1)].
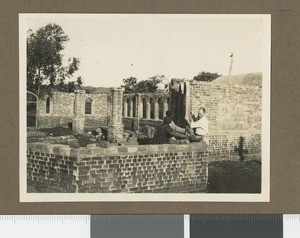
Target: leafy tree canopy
[(131, 85), (206, 76), (45, 69)]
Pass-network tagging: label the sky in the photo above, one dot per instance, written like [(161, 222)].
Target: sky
[(112, 47)]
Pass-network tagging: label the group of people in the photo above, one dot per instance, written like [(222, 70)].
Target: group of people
[(195, 130)]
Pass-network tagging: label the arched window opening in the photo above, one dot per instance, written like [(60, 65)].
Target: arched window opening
[(161, 108), (88, 106), (134, 107), (144, 107), (152, 108), (32, 107), (128, 107), (48, 105)]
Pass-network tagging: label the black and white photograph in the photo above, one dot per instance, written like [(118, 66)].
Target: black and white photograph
[(144, 107)]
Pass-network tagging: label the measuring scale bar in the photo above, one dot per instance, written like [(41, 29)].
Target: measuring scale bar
[(146, 226)]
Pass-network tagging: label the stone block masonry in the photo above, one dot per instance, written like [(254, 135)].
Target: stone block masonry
[(115, 132), (229, 108), (64, 108), (51, 167), (234, 113), (237, 145), (144, 110), (115, 126), (120, 169), (79, 108)]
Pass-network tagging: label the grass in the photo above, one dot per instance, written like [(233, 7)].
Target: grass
[(234, 177)]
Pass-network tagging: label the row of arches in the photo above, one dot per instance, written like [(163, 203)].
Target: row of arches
[(129, 107), (146, 107), (153, 104)]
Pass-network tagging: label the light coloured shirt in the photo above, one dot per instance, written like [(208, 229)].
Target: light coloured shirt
[(201, 126)]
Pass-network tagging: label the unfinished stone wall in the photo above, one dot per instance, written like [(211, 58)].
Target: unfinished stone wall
[(115, 126), (63, 110), (145, 126), (142, 169), (144, 112), (234, 113)]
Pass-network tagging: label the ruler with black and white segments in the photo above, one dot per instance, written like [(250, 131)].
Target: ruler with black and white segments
[(150, 226)]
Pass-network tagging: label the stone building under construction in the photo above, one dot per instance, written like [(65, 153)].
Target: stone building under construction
[(234, 112)]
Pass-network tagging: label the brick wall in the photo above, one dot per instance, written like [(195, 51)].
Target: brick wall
[(234, 114), (52, 168), (94, 121), (151, 168), (230, 145), (62, 110), (45, 121)]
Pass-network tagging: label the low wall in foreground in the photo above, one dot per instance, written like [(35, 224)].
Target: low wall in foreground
[(140, 168)]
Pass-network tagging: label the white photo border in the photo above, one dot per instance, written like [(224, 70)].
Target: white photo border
[(264, 196)]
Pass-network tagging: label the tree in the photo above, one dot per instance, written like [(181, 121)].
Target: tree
[(160, 78), (146, 86), (131, 85), (160, 82), (79, 81), (44, 60), (150, 85), (69, 87), (206, 76)]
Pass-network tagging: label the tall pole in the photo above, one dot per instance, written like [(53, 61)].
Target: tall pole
[(230, 68)]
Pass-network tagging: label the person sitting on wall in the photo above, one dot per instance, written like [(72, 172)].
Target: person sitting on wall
[(198, 128), (169, 132)]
